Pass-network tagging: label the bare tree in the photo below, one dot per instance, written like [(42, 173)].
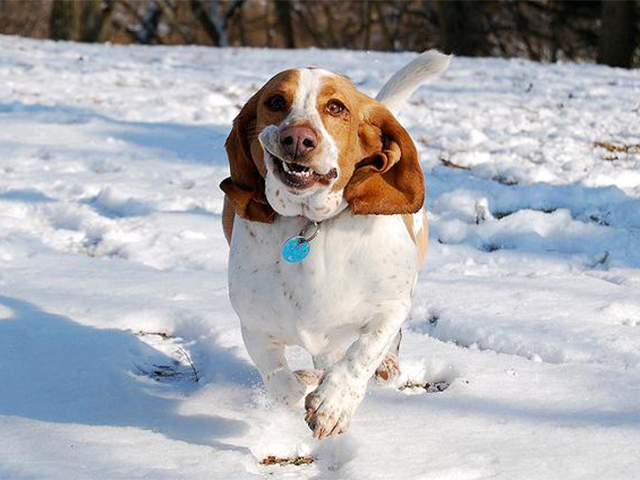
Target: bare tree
[(208, 18), (366, 23), (285, 23), (617, 33), (65, 20), (144, 27), (215, 19), (87, 21), (542, 30), (461, 27)]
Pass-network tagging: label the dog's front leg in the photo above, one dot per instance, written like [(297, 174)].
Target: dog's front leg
[(331, 406), (285, 386)]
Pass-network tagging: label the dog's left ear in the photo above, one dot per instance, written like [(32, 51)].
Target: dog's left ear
[(388, 180), (245, 187)]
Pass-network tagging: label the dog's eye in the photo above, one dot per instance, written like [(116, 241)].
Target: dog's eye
[(335, 108), (276, 103)]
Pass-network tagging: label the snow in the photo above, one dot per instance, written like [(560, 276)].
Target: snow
[(113, 295)]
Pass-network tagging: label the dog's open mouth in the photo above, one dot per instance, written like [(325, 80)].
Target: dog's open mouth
[(299, 176)]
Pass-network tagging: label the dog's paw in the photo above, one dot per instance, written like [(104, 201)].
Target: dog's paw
[(388, 371), (331, 406)]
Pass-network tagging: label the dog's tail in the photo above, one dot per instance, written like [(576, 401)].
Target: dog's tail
[(405, 81)]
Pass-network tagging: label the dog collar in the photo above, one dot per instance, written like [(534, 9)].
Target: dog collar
[(297, 248)]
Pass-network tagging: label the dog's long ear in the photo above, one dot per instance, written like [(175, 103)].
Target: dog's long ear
[(388, 180), (245, 187)]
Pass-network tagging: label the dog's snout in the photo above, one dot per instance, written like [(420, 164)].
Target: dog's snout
[(298, 141)]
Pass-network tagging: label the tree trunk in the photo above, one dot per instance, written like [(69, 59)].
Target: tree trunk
[(617, 41), (461, 27), (211, 28), (64, 23), (283, 13), (96, 20), (80, 21), (366, 20)]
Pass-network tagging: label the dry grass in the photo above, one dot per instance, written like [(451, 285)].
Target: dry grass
[(273, 460), (177, 370), (434, 387), (618, 147), (162, 335), (450, 164), (614, 148)]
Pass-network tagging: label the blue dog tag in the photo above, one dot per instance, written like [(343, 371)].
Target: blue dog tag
[(295, 249)]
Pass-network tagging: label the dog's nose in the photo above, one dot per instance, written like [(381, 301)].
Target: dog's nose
[(298, 141)]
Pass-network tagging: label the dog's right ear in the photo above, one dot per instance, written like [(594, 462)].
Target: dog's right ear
[(245, 187)]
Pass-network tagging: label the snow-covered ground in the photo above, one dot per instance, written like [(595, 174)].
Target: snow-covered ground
[(120, 355)]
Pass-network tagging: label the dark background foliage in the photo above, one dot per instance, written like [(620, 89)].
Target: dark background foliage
[(606, 31)]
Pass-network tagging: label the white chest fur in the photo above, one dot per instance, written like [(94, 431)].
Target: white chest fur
[(356, 266)]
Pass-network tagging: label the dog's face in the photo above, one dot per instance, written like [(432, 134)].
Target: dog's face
[(306, 120), (308, 143)]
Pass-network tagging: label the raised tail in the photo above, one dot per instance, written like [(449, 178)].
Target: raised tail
[(405, 81)]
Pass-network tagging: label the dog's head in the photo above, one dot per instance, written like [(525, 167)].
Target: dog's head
[(308, 143)]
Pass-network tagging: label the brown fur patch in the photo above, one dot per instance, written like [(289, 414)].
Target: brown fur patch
[(379, 168), (228, 216), (420, 238), (388, 370)]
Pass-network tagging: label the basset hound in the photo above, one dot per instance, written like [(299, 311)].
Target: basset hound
[(324, 215)]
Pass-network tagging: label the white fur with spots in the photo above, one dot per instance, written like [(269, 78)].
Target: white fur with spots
[(344, 304)]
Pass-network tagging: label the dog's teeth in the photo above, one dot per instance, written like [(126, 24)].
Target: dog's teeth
[(286, 167)]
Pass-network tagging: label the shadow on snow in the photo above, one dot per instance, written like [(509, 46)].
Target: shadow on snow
[(202, 144), (56, 370)]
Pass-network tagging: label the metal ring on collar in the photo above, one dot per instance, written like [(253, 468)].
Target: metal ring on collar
[(310, 231)]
